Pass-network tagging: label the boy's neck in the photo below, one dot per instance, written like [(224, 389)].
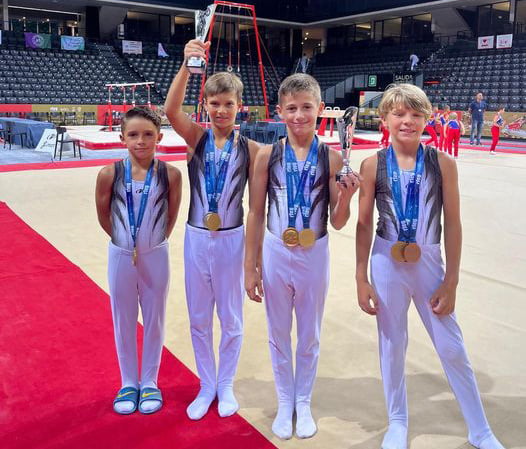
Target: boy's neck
[(221, 134), (299, 143), (408, 150), (141, 164)]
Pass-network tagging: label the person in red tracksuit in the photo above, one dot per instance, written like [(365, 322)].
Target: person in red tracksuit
[(453, 130), (443, 118), (384, 143), (498, 124), (430, 128)]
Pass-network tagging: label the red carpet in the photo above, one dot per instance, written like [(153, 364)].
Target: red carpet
[(58, 367)]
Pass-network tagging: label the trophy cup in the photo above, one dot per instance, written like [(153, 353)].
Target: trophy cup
[(202, 24), (346, 124)]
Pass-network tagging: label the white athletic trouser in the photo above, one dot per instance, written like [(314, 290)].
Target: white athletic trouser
[(395, 284), (294, 278), (213, 263), (145, 284)]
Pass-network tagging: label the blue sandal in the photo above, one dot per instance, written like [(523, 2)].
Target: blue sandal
[(130, 394), (150, 394)]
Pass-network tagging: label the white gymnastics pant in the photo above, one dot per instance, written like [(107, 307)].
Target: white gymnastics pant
[(294, 279), (145, 284), (395, 284), (213, 263)]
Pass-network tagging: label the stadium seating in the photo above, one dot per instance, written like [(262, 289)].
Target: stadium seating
[(464, 71)]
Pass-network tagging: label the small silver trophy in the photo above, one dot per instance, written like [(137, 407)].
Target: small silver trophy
[(346, 124), (202, 24)]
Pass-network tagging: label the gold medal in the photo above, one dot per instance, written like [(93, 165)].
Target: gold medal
[(307, 238), (212, 221), (134, 257), (411, 253), (290, 237), (397, 251)]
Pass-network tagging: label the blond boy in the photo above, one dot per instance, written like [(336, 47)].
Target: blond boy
[(406, 261)]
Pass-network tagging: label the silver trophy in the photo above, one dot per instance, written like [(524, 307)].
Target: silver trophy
[(346, 125), (202, 24)]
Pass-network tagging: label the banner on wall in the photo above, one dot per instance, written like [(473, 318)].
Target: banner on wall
[(161, 52), (71, 43), (486, 42), (504, 40), (34, 40), (132, 47)]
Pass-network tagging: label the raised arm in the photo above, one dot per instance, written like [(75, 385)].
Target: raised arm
[(174, 197), (103, 197), (256, 224), (364, 236), (190, 131)]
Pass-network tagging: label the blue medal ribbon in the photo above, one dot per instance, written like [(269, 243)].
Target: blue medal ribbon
[(135, 226), (296, 197), (408, 218), (215, 183)]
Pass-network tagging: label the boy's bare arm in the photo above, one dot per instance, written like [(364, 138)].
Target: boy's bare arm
[(452, 223), (364, 235), (174, 197), (255, 223), (103, 197), (190, 131), (443, 300), (253, 148), (340, 192)]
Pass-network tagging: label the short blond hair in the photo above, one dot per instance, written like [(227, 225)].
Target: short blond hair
[(299, 82), (405, 94), (223, 82), (453, 116)]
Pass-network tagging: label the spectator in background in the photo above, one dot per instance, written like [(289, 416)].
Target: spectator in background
[(304, 63), (476, 109), (413, 59)]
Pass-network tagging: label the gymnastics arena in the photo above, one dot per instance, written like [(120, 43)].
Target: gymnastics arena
[(69, 71)]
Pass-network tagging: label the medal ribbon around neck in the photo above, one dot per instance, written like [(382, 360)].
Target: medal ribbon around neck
[(408, 218), (135, 226), (215, 183), (296, 185)]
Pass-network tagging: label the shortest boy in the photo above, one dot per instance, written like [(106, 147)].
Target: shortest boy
[(299, 175), (137, 203), (412, 185)]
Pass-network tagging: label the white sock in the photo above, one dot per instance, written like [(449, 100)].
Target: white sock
[(148, 406), (396, 436), (305, 425), (198, 408), (124, 406), (490, 442), (282, 425), (228, 404)]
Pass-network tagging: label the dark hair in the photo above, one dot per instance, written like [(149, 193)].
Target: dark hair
[(141, 112)]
